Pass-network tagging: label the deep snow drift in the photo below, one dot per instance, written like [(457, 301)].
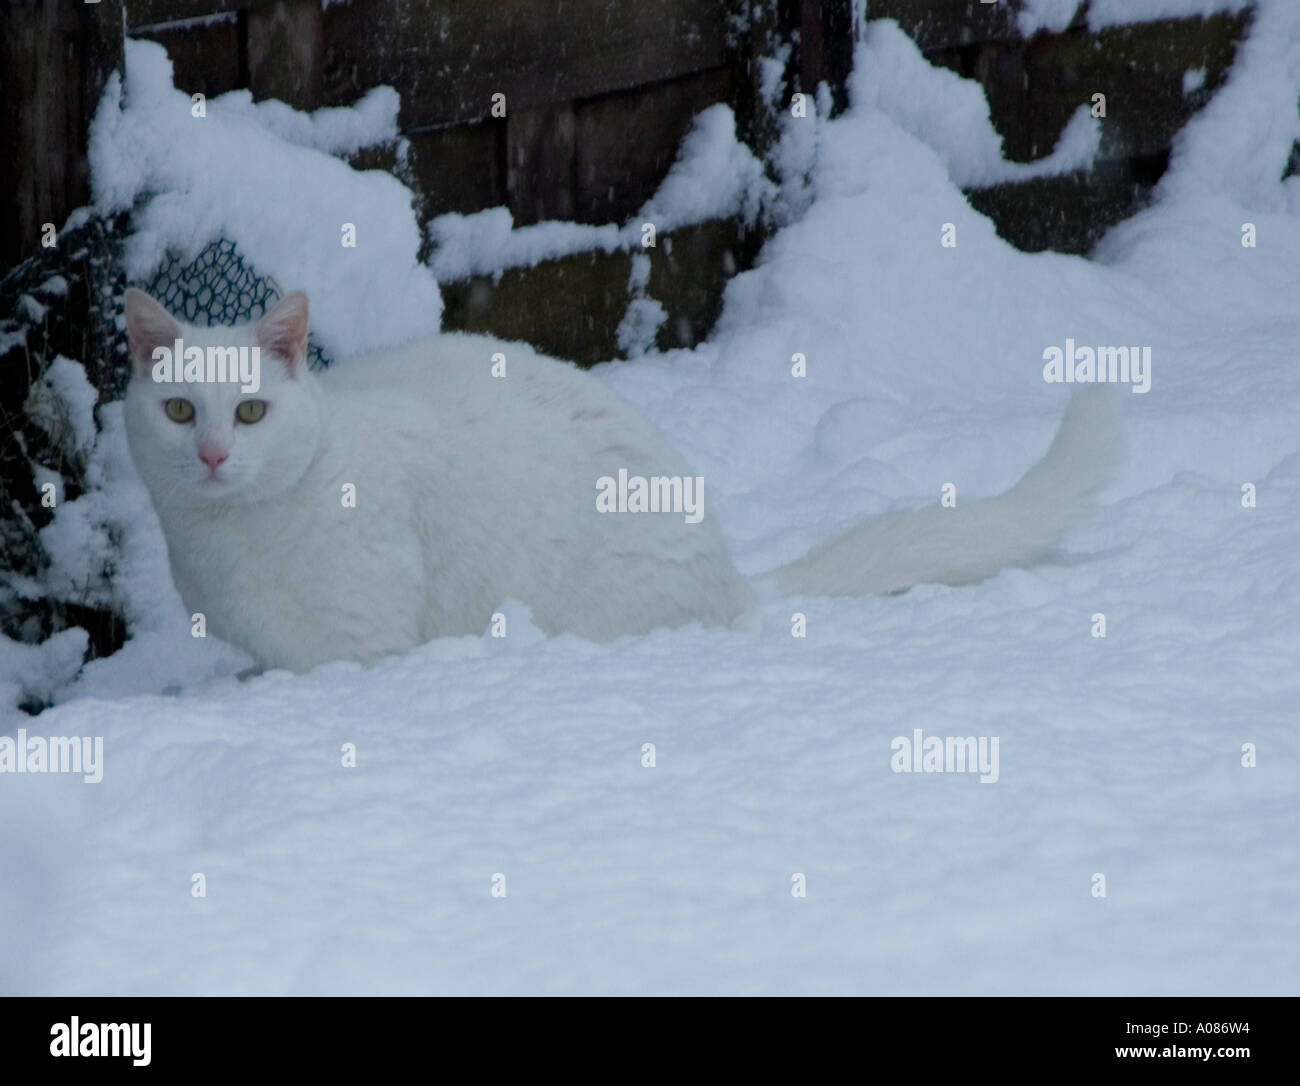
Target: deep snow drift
[(523, 757)]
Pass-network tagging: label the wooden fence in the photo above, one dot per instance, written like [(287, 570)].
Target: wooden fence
[(1034, 85), (598, 94)]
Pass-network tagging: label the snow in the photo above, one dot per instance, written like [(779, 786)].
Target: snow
[(714, 175), (254, 173), (954, 116), (11, 339), (1240, 160), (1050, 15), (40, 671), (1104, 13), (794, 159), (336, 131), (31, 309), (636, 332), (525, 756), (487, 242), (194, 22), (66, 379), (1055, 15)]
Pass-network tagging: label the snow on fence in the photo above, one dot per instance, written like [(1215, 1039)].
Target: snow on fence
[(575, 111), (1038, 61), (571, 112), (596, 96)]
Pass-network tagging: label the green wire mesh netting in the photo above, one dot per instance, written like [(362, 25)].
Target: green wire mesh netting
[(218, 287)]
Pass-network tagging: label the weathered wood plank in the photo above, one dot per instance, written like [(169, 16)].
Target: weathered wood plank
[(460, 169), (540, 162), (142, 13), (762, 32), (826, 47), (572, 307), (285, 51), (1070, 212), (1140, 70), (569, 308), (447, 58), (626, 142), (689, 270), (54, 62), (948, 24), (205, 55), (1033, 87)]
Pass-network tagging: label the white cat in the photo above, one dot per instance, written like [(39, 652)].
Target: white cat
[(405, 494)]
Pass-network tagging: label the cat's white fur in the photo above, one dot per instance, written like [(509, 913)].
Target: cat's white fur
[(471, 489)]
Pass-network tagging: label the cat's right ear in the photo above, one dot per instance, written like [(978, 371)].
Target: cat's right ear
[(148, 325), (283, 331)]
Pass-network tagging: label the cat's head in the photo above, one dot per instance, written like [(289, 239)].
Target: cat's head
[(223, 413)]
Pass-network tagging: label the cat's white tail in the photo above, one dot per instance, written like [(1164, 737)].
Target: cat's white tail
[(969, 542)]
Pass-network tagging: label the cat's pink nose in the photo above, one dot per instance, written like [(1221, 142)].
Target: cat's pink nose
[(212, 455)]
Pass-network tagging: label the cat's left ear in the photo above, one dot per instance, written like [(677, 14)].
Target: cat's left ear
[(283, 331), (148, 325)]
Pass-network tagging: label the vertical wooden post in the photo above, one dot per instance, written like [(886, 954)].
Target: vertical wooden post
[(826, 47), (54, 62), (541, 163), (837, 34), (759, 34), (821, 51), (284, 52)]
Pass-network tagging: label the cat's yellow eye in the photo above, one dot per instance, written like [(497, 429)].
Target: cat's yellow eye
[(179, 410), (250, 410)]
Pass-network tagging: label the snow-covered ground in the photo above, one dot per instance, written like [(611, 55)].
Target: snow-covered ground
[(523, 757)]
